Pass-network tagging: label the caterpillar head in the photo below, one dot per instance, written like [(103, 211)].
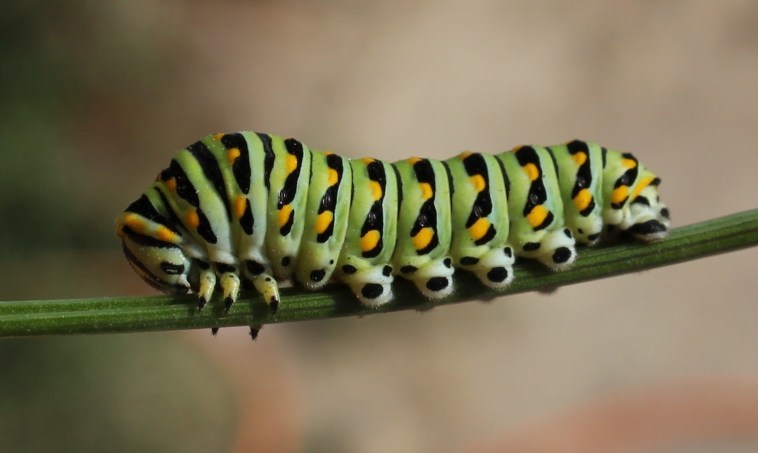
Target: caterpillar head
[(163, 265)]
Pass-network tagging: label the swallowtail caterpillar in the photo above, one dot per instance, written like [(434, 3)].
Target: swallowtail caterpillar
[(255, 208)]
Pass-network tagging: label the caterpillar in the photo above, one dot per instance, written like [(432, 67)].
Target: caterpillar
[(257, 209)]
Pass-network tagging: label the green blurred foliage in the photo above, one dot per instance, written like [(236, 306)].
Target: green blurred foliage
[(69, 70)]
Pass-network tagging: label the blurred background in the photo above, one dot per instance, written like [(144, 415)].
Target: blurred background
[(98, 96)]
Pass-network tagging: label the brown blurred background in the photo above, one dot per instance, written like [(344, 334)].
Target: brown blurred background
[(97, 96)]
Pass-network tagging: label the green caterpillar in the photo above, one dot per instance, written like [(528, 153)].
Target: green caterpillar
[(255, 208)]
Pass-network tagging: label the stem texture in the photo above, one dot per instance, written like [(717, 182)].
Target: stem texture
[(142, 314)]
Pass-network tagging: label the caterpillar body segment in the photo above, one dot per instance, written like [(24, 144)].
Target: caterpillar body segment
[(479, 219), (325, 219), (579, 181), (287, 198), (365, 263), (535, 208), (255, 208), (251, 158), (422, 252)]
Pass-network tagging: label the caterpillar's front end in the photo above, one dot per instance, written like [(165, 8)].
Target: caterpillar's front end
[(154, 250)]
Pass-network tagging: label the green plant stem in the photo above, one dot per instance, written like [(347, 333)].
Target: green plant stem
[(141, 314)]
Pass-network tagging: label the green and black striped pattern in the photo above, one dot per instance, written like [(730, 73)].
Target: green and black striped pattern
[(255, 208)]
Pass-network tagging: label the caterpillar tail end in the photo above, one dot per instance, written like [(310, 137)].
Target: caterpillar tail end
[(647, 229)]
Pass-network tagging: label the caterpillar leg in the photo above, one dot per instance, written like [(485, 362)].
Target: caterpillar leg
[(556, 249), (433, 279), (264, 283), (230, 283), (208, 279), (255, 329), (267, 287), (494, 268), (207, 283), (372, 285)]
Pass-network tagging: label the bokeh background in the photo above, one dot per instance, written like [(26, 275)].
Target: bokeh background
[(97, 96)]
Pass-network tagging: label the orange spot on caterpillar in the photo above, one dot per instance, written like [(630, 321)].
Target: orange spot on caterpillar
[(166, 235), (370, 240), (291, 163), (478, 182), (284, 215), (240, 203), (580, 158), (376, 190), (426, 190), (532, 172), (479, 229), (628, 163), (619, 194), (537, 215), (232, 154), (423, 238), (323, 221), (641, 186), (193, 219), (582, 199), (333, 177), (135, 222)]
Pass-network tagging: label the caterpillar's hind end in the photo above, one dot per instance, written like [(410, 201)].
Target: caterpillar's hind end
[(649, 217), (650, 231)]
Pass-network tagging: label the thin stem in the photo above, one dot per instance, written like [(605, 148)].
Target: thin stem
[(142, 314)]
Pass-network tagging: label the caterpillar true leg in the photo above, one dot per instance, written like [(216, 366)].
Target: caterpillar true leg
[(230, 283), (207, 285), (267, 287), (264, 282)]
